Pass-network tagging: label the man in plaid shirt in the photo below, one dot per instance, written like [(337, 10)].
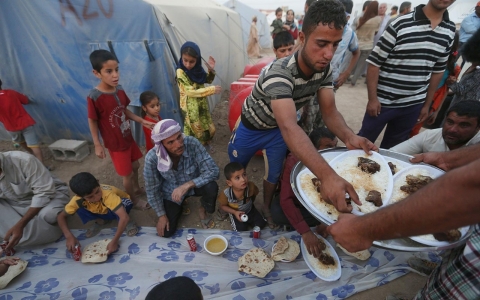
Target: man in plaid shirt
[(176, 168), (451, 201)]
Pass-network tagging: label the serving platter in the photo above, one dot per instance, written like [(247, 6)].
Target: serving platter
[(314, 265), (403, 244)]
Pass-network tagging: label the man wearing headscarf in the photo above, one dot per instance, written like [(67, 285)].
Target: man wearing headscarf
[(176, 168)]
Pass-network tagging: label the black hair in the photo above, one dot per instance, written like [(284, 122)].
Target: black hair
[(145, 98), (283, 39), (1, 84), (99, 57), (180, 287), (190, 51), (404, 6), (348, 4), (365, 4), (309, 3), (318, 133), (394, 8), (83, 184), (324, 12), (471, 48), (231, 168), (467, 108), (278, 10)]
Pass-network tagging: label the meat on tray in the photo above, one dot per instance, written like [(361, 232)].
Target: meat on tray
[(448, 236), (375, 197), (326, 259), (392, 167), (316, 183), (415, 182), (368, 165)]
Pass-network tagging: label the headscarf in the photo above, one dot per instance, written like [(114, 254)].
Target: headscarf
[(197, 73), (162, 130)]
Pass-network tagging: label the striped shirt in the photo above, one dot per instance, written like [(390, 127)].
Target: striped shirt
[(407, 54), (457, 276), (282, 80)]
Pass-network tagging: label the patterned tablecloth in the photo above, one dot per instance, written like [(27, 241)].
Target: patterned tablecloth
[(146, 259)]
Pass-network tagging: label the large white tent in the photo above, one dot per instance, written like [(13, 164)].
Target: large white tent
[(246, 14)]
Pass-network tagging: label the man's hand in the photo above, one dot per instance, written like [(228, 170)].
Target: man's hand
[(431, 119), (71, 243), (10, 261), (100, 152), (238, 214), (374, 107), (432, 158), (345, 233), (341, 79), (211, 64), (148, 124), (112, 247), (423, 114), (178, 193), (357, 142), (13, 236), (333, 189), (162, 224), (451, 80), (312, 243)]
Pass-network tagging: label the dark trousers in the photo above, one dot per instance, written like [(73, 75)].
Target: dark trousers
[(173, 210), (254, 219), (399, 122), (279, 217)]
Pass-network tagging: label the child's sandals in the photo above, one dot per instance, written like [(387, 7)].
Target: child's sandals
[(131, 229), (207, 223), (220, 215), (271, 224)]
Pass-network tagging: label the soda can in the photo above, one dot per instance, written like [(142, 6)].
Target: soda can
[(256, 232), (244, 218), (191, 242), (77, 253), (9, 252)]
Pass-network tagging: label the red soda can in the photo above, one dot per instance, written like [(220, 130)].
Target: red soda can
[(191, 242), (77, 253), (256, 232), (9, 252)]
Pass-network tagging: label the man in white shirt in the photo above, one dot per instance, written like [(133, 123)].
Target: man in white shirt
[(460, 129)]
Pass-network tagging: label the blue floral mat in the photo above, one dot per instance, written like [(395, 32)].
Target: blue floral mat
[(146, 259)]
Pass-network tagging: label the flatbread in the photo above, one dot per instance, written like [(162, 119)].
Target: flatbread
[(280, 247), (12, 272), (96, 252), (290, 254), (361, 255), (256, 262), (315, 198)]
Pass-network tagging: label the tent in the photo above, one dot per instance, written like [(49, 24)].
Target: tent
[(246, 14), (46, 45)]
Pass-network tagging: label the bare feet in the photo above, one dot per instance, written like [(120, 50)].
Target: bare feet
[(142, 205)]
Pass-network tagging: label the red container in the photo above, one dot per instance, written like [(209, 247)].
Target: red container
[(10, 252), (77, 253), (251, 76), (256, 232), (238, 86), (247, 79), (191, 242)]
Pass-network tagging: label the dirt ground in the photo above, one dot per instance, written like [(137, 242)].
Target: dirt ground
[(351, 102)]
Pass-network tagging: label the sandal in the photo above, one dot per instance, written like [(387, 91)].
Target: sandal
[(142, 205), (131, 229), (207, 223), (220, 215), (94, 230), (271, 224)]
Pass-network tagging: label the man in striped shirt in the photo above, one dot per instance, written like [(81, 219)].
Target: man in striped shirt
[(404, 71), (269, 119)]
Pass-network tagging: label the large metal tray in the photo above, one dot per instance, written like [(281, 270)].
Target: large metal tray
[(404, 244)]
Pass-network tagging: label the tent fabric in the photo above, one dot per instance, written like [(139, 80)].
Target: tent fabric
[(46, 46), (246, 14)]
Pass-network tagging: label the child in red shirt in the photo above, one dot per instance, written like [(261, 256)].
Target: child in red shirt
[(151, 113), (18, 122), (107, 112)]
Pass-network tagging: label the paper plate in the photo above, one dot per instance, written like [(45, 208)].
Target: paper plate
[(384, 172), (428, 239), (314, 264), (329, 156)]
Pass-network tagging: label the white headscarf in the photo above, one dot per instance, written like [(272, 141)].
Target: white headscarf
[(162, 130)]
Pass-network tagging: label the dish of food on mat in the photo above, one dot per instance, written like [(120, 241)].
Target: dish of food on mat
[(327, 267), (370, 176), (96, 252), (285, 250), (256, 262)]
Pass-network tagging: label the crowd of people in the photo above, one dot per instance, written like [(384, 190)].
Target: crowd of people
[(289, 115)]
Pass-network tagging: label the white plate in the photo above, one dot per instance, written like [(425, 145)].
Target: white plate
[(282, 260), (387, 193), (429, 240), (329, 156), (306, 256)]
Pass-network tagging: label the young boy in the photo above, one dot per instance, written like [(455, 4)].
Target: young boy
[(107, 112), (101, 203), (283, 44), (237, 199), (18, 122), (277, 24)]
